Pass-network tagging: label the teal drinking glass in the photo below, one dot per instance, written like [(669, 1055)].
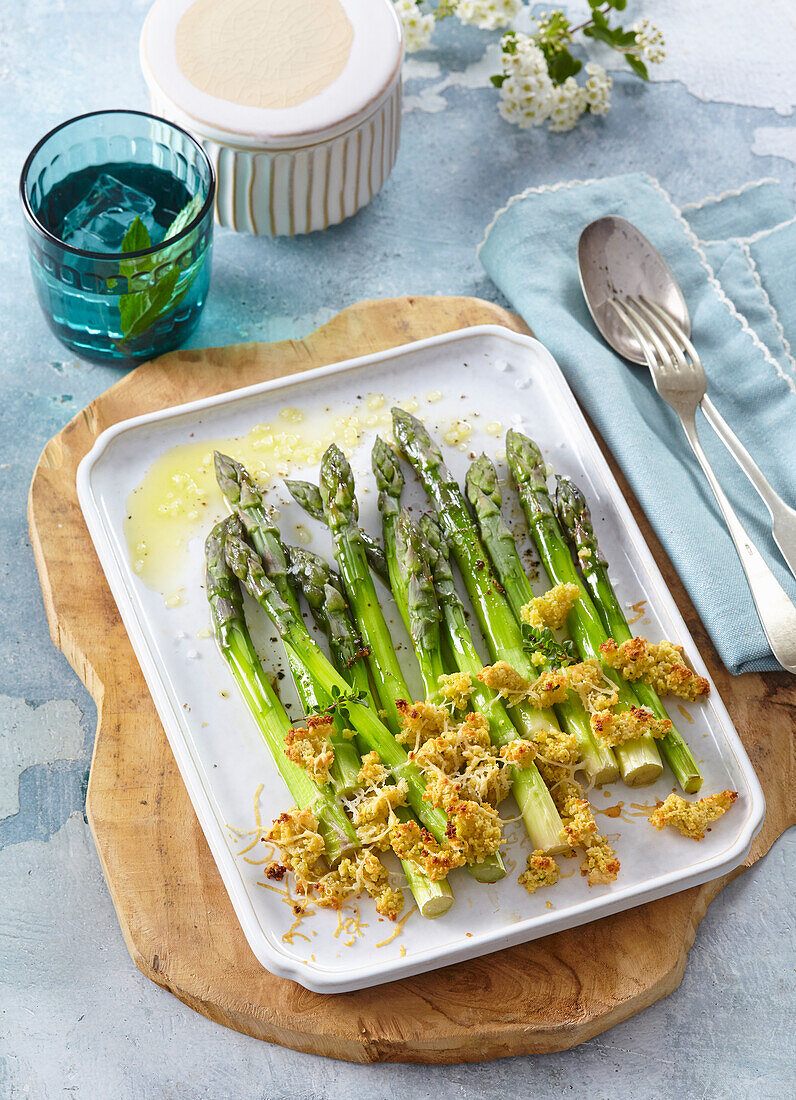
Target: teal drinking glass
[(119, 216)]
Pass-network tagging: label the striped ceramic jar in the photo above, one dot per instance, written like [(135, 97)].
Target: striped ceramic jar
[(287, 178)]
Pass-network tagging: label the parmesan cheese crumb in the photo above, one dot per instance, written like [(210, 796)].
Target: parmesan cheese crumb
[(627, 725), (661, 665), (310, 748), (691, 818), (456, 689), (552, 608), (541, 870)]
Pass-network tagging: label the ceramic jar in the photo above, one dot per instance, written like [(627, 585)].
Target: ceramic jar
[(297, 104)]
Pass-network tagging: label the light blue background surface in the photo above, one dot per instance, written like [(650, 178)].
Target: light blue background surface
[(76, 1018)]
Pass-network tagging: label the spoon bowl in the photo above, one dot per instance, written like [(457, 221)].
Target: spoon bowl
[(616, 260)]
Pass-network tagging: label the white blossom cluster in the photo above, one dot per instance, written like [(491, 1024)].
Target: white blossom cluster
[(649, 40), (418, 27), (529, 98), (489, 15)]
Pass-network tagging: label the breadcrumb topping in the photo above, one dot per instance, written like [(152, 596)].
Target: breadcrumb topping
[(661, 665), (301, 846), (541, 870), (364, 871), (627, 725), (519, 752), (587, 679), (692, 818), (552, 608), (310, 748), (456, 689), (420, 722)]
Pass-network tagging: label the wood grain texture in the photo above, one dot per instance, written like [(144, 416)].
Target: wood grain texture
[(177, 920)]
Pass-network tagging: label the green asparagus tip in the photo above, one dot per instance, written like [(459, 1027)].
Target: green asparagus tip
[(570, 504), (336, 483), (482, 477), (307, 496), (387, 470), (525, 460), (228, 476), (413, 437)]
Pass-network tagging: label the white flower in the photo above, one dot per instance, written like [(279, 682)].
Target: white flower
[(597, 89), (488, 14), (418, 27), (649, 40), (569, 103), (526, 95)]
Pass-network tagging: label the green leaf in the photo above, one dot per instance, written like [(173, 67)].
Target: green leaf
[(140, 311), (136, 238), (637, 65), (620, 5), (498, 81), (184, 218), (542, 640), (601, 33), (562, 66), (624, 38)]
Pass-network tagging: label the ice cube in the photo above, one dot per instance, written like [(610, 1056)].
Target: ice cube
[(100, 220)]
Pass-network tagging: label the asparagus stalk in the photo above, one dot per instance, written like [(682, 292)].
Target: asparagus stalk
[(245, 499), (575, 519), (232, 635), (483, 492), (418, 600), (390, 483), (536, 805), (340, 510), (323, 591), (498, 625), (308, 496), (639, 760)]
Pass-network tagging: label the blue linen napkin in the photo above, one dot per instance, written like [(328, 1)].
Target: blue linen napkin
[(733, 257)]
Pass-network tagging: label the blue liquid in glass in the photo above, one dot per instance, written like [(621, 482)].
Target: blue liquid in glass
[(92, 209)]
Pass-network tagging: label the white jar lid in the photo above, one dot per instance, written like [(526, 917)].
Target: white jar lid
[(272, 73)]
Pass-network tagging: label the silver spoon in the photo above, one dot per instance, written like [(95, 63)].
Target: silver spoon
[(617, 262)]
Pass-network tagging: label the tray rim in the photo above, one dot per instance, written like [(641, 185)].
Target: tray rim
[(317, 978)]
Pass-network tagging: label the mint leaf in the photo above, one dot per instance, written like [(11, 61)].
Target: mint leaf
[(184, 218), (140, 311), (136, 238)]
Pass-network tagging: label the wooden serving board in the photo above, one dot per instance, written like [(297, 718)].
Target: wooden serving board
[(175, 915)]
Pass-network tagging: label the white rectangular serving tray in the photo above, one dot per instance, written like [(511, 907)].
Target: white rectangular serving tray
[(485, 374)]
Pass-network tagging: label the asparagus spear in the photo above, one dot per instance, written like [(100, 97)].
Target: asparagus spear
[(575, 519), (322, 589), (340, 510), (309, 497), (418, 600), (245, 499), (498, 625), (390, 483), (483, 492), (538, 810), (639, 760), (229, 624)]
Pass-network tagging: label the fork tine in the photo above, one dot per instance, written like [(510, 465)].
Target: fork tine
[(647, 348), (673, 325), (664, 354), (668, 340)]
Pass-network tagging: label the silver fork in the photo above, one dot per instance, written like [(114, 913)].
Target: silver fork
[(679, 378)]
